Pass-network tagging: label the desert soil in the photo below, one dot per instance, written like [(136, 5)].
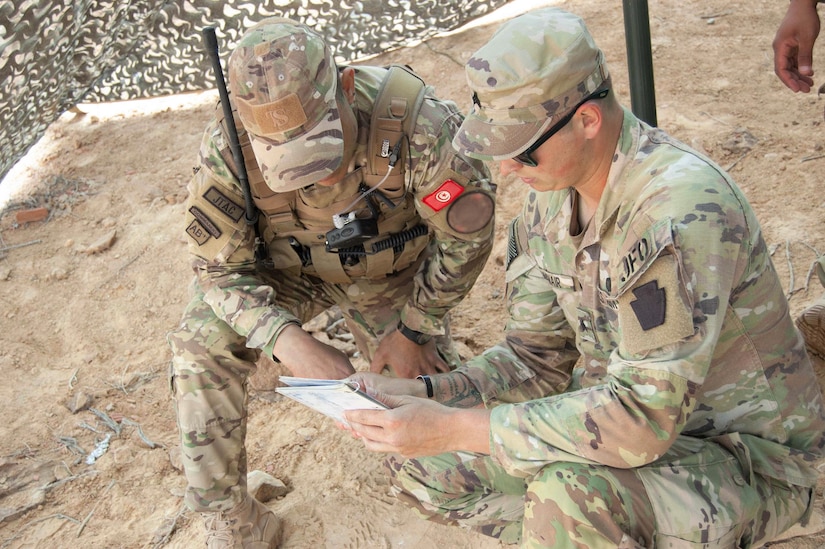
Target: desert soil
[(88, 294)]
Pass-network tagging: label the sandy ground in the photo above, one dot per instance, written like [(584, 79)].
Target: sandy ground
[(88, 294)]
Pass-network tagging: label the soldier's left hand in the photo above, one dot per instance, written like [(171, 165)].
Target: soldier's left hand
[(406, 358), (416, 427)]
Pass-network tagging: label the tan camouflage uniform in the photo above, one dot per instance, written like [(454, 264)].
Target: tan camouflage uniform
[(652, 390), (240, 306)]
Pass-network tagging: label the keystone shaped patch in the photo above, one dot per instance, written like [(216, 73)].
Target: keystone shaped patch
[(649, 305)]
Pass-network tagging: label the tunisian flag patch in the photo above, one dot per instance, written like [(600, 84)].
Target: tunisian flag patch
[(442, 196)]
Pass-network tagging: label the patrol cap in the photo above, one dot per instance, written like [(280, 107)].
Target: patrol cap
[(284, 80), (534, 70)]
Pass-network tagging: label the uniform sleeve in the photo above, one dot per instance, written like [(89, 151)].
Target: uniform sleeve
[(670, 308), (538, 354), (455, 197), (223, 249)]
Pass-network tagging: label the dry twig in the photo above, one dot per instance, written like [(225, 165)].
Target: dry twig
[(164, 533), (814, 157), (89, 516), (21, 245), (746, 153), (32, 523)]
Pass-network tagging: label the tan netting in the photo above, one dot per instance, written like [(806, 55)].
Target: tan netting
[(56, 53)]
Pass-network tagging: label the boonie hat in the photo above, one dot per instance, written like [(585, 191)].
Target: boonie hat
[(283, 81), (534, 70)]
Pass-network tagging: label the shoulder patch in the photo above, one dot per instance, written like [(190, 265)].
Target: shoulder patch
[(224, 204), (470, 212), (443, 195), (513, 244), (655, 311), (197, 232), (205, 222)]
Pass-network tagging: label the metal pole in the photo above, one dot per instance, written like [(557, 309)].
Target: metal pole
[(639, 60)]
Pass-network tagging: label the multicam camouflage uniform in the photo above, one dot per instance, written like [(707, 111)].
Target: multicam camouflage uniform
[(240, 306), (652, 390)]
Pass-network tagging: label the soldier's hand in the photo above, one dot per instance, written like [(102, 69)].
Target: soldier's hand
[(793, 46), (415, 427), (305, 356), (406, 358)]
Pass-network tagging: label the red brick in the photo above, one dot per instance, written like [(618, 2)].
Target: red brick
[(35, 214)]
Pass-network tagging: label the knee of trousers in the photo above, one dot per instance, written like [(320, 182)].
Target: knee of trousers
[(207, 376), (417, 485), (203, 338), (572, 487), (208, 356)]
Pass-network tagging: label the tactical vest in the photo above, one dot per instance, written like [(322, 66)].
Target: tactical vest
[(294, 224)]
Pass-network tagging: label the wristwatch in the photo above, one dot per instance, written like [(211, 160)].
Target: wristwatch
[(412, 335)]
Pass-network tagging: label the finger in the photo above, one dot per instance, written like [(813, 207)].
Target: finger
[(376, 446), (441, 367), (805, 57), (430, 367), (370, 433), (392, 401), (789, 80), (359, 420)]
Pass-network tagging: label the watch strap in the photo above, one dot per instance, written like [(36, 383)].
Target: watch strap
[(416, 337)]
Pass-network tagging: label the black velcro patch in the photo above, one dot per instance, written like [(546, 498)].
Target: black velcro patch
[(649, 305), (197, 232), (204, 220), (224, 204)]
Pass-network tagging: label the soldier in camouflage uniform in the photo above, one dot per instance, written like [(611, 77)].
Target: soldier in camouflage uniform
[(319, 142), (652, 390)]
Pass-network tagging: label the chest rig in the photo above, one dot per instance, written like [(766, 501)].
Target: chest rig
[(294, 225)]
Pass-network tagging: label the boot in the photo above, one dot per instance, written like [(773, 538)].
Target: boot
[(248, 525), (811, 322)]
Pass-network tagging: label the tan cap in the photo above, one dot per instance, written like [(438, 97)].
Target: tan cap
[(534, 70), (283, 81)]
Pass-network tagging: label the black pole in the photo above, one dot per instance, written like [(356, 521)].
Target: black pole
[(211, 41), (639, 60)]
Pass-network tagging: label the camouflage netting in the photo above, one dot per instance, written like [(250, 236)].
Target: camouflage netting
[(56, 53)]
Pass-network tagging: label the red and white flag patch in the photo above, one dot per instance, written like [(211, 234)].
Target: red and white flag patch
[(443, 195)]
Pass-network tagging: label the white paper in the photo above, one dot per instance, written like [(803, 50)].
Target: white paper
[(330, 397)]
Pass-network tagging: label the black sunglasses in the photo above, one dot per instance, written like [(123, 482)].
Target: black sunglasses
[(526, 158)]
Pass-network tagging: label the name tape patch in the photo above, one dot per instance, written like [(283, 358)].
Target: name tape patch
[(224, 204), (205, 222)]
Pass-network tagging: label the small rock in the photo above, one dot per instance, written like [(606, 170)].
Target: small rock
[(264, 487), (58, 274), (176, 458), (79, 401), (102, 244), (306, 432)]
